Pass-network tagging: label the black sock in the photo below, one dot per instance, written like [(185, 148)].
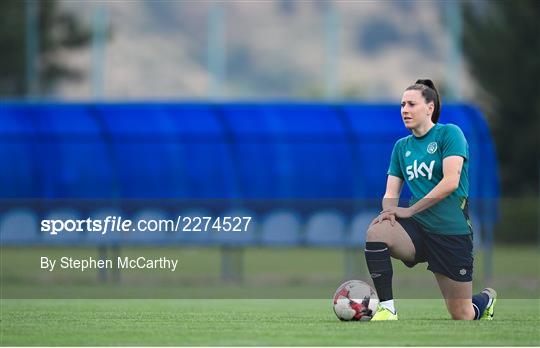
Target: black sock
[(380, 268), (480, 302)]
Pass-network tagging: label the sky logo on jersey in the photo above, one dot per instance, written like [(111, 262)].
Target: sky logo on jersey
[(423, 169)]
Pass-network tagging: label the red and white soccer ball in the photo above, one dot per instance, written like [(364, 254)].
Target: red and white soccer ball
[(355, 300)]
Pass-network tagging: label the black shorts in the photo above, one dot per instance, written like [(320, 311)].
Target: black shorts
[(449, 255)]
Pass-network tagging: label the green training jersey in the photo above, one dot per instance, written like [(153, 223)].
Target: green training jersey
[(419, 162)]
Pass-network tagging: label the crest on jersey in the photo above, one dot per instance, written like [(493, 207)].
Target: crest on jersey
[(431, 148), (408, 153)]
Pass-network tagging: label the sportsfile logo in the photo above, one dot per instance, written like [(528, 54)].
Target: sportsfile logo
[(120, 224), (423, 169)]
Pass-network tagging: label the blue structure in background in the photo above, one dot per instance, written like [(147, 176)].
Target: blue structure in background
[(260, 151), (246, 151)]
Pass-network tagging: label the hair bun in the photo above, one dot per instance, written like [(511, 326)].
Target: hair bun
[(426, 82), (430, 94)]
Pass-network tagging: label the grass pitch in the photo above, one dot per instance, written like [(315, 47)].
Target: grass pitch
[(46, 308), (254, 322), (271, 273)]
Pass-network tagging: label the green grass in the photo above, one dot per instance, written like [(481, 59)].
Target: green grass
[(193, 307), (268, 273), (254, 322)]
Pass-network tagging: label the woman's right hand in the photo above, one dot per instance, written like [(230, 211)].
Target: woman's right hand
[(390, 216)]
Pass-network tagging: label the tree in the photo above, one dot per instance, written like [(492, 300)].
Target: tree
[(502, 47), (57, 30)]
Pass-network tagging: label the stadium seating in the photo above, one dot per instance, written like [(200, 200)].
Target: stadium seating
[(310, 174)]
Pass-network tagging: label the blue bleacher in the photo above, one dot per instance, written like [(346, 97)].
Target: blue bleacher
[(266, 152)]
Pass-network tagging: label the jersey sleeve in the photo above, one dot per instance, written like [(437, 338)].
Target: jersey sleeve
[(454, 142), (395, 165)]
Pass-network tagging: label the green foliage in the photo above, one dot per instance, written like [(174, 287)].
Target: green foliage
[(524, 211), (57, 31), (502, 46)]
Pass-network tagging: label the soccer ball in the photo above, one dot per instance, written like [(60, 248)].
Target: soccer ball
[(355, 300)]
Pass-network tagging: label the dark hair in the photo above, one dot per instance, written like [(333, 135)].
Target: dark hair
[(430, 94)]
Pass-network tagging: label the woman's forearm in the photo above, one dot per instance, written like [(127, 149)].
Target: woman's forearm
[(443, 189)]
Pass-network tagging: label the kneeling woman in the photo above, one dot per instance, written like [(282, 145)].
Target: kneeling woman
[(435, 228)]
